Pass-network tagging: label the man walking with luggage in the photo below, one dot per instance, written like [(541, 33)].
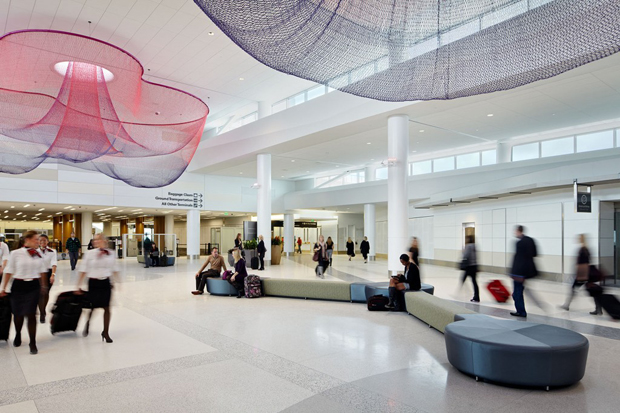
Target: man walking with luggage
[(523, 267), (73, 247)]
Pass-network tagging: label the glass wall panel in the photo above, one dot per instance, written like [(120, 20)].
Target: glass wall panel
[(443, 164), (555, 147), (525, 152), (489, 157), (595, 141), (468, 160)]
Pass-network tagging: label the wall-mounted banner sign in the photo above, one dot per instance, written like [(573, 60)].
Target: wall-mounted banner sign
[(181, 200), (582, 195)]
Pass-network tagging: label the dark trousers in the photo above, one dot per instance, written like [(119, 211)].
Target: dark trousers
[(154, 260), (517, 295), (201, 280), (73, 258), (471, 272), (261, 258), (237, 284)]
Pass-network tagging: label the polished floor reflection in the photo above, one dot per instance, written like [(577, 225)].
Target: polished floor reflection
[(173, 351)]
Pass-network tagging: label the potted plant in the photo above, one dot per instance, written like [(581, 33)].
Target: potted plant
[(276, 250), (249, 247)]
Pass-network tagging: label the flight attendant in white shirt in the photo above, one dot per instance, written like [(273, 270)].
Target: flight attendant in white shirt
[(99, 265), (4, 256), (50, 260), (28, 271)]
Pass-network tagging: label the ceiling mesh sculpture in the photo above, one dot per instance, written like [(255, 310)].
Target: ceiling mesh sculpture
[(83, 102), (403, 50)]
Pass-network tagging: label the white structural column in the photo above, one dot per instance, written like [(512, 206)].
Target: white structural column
[(263, 204), (369, 228), (370, 173), (264, 109), (504, 152), (87, 229), (169, 229), (398, 149), (193, 234), (289, 234)]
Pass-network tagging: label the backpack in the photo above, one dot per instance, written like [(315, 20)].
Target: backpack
[(252, 286)]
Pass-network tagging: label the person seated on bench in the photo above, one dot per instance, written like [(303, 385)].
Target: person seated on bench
[(217, 266), (409, 280), (238, 277), (155, 255)]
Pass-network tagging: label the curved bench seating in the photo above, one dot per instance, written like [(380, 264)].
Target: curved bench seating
[(434, 311), (381, 288), (217, 286), (516, 352), (317, 289)]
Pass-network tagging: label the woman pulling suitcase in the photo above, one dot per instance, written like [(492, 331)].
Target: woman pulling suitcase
[(29, 274), (99, 265)]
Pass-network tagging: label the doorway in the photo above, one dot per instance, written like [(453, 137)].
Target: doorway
[(469, 229)]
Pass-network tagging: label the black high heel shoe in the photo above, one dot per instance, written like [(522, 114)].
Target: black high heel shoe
[(18, 340), (33, 349), (106, 337), (86, 327)]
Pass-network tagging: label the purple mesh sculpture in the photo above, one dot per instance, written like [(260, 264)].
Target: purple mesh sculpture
[(404, 50)]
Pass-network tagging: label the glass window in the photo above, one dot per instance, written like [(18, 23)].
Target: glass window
[(340, 81), (296, 100), (504, 14), (489, 157), (538, 3), (278, 106), (320, 181), (460, 32), (422, 167), (443, 164), (316, 91), (524, 152), (595, 141), (555, 147), (423, 47), (383, 63), (381, 173), (362, 72), (468, 160)]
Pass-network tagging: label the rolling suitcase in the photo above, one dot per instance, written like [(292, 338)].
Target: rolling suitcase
[(377, 303), (67, 312), (252, 286), (5, 317), (254, 263), (611, 305), (498, 291)]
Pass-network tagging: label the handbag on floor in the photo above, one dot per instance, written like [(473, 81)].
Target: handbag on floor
[(377, 303)]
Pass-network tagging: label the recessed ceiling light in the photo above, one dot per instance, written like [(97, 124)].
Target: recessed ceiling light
[(12, 206), (6, 211), (241, 78), (6, 216), (240, 173), (26, 206), (413, 151), (282, 176), (490, 114), (58, 213), (42, 209), (307, 172), (36, 215), (72, 209), (421, 130), (292, 160), (67, 207), (368, 143), (211, 33), (19, 213), (14, 219)]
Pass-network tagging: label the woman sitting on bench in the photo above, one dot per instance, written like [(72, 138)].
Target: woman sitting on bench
[(409, 280), (236, 280)]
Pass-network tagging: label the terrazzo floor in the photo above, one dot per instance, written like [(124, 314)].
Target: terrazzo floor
[(173, 351)]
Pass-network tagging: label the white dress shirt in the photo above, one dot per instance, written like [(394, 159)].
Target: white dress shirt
[(97, 264), (24, 266), (50, 257), (4, 252)]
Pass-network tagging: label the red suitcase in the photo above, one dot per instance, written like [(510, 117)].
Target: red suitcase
[(498, 291)]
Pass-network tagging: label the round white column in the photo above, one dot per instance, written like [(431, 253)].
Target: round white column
[(398, 149), (193, 234), (264, 109), (169, 229), (263, 204), (370, 173), (87, 230), (289, 234), (369, 229)]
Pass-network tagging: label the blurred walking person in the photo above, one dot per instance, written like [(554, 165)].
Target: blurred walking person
[(73, 247), (299, 244), (320, 253), (469, 265), (4, 255), (350, 248), (50, 259), (29, 274), (582, 271), (365, 249), (330, 249), (99, 266), (523, 268), (414, 251)]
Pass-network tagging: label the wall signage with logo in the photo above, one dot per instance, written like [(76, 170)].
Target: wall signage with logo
[(582, 195)]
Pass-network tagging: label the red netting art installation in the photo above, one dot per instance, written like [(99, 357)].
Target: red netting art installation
[(83, 102)]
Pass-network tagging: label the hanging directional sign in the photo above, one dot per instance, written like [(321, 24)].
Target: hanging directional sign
[(582, 196), (181, 199)]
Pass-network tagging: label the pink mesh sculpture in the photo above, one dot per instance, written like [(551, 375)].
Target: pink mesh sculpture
[(83, 102)]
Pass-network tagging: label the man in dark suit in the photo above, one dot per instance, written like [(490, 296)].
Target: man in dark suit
[(261, 249), (523, 267)]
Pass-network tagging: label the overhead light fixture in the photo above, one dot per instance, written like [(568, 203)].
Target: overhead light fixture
[(368, 143), (421, 130), (490, 114), (255, 185), (413, 151), (6, 211), (372, 159), (12, 206), (42, 209), (282, 176), (292, 160), (211, 33), (241, 78), (72, 209), (6, 216), (36, 215), (240, 173), (67, 207), (26, 206), (19, 213), (58, 213)]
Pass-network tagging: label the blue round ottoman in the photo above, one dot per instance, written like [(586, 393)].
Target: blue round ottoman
[(217, 286), (516, 352)]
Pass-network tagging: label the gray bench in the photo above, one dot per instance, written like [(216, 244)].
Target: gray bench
[(516, 352), (434, 311), (381, 288), (217, 286)]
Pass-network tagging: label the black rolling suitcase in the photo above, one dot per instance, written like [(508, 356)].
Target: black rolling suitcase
[(611, 305), (377, 303), (5, 317), (67, 312), (254, 263)]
